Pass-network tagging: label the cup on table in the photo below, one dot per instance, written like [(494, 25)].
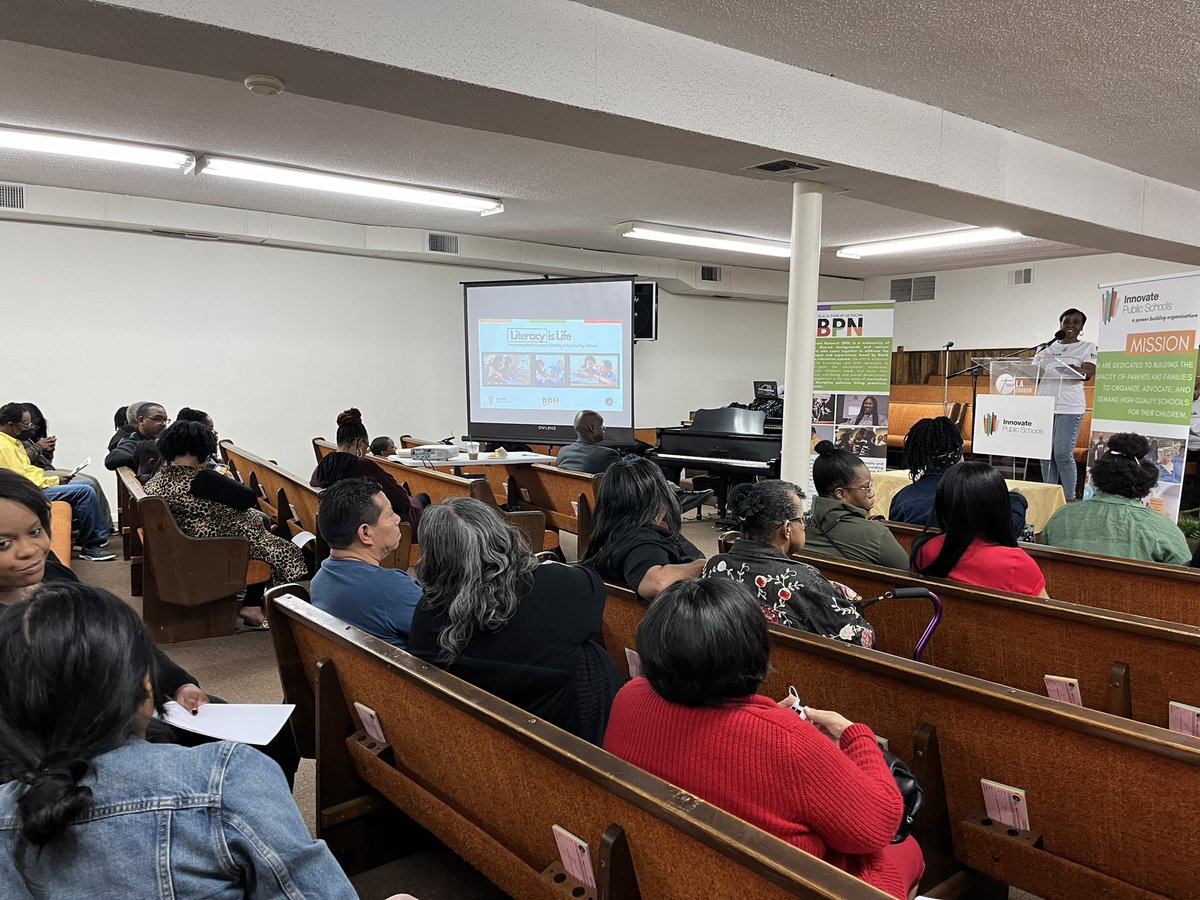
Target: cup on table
[(473, 450)]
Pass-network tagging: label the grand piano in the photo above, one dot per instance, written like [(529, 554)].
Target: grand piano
[(728, 443)]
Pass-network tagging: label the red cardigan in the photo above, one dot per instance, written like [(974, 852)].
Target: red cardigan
[(765, 764)]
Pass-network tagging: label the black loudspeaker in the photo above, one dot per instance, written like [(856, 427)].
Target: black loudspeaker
[(645, 311)]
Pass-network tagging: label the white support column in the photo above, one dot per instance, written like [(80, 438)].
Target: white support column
[(801, 332)]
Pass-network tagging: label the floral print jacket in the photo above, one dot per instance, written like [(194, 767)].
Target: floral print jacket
[(792, 593)]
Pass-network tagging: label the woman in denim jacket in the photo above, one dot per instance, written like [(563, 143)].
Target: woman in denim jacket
[(89, 808)]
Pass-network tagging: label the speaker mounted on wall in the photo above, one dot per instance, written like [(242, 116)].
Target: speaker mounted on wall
[(645, 311)]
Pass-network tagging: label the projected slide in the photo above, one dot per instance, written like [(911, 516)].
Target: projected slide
[(540, 351)]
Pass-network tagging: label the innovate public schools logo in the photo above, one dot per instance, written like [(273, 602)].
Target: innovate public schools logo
[(1112, 303), (990, 421)]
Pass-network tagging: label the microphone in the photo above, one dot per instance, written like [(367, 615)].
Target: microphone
[(949, 344), (1058, 336)]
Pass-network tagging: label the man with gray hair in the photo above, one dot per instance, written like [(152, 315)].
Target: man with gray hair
[(358, 523)]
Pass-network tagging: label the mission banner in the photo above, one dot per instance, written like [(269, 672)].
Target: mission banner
[(1145, 373), (852, 377)]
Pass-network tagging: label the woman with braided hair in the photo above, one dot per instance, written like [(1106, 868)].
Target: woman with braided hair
[(1114, 521), (790, 593), (931, 447), (89, 808)]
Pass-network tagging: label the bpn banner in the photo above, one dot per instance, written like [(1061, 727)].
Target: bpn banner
[(852, 377), (1145, 373)]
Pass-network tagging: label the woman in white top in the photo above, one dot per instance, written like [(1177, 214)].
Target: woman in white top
[(1069, 403)]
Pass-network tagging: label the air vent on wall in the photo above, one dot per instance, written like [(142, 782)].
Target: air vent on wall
[(782, 168), (912, 289), (710, 273), (1018, 276), (443, 243), (12, 196)]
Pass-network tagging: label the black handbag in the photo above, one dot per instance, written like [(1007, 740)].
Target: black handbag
[(910, 792)]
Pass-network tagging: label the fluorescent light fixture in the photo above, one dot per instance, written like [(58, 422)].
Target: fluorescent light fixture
[(713, 240), (93, 148), (269, 173), (960, 238)]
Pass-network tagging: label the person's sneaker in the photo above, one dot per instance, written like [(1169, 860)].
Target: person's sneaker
[(96, 554)]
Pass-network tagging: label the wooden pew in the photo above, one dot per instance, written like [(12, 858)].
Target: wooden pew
[(60, 531), (546, 488), (129, 491), (1016, 640), (1160, 591), (903, 415), (439, 485), (1104, 793), (299, 502), (189, 585), (490, 781)]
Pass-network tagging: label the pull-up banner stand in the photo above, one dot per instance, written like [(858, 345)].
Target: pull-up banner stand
[(1145, 374), (852, 379)]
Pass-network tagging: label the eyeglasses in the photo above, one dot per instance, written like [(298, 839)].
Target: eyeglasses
[(804, 520), (868, 488), (162, 419)]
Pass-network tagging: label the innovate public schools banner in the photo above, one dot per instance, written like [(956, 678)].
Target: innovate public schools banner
[(852, 378), (1145, 372)]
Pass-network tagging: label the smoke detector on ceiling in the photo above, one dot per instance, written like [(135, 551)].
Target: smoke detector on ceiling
[(265, 85)]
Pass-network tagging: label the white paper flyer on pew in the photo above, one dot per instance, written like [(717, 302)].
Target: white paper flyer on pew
[(250, 723)]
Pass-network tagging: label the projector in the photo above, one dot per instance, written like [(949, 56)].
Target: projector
[(437, 452)]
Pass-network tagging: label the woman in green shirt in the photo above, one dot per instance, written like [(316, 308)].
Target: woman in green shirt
[(1114, 521)]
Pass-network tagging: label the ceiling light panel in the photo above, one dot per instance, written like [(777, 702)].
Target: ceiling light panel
[(961, 238), (711, 240), (268, 173), (93, 148)]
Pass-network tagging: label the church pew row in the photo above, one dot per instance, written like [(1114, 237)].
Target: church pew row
[(1016, 640), (547, 488), (189, 585), (489, 781), (298, 503), (1105, 795), (440, 485), (1108, 582)]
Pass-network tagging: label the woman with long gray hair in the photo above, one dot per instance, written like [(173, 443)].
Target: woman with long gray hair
[(490, 614)]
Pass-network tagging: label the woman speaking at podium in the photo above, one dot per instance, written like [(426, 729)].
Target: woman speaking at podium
[(1069, 402)]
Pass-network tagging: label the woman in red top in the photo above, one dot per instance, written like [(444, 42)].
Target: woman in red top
[(979, 545), (697, 721)]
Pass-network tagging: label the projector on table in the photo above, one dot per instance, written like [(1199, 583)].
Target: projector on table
[(434, 452)]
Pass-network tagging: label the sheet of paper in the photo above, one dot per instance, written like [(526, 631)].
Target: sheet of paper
[(303, 538), (634, 660), (250, 723)]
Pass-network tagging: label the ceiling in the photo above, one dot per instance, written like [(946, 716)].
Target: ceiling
[(1115, 80), (553, 193)]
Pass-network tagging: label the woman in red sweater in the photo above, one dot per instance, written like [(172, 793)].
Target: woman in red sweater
[(697, 721)]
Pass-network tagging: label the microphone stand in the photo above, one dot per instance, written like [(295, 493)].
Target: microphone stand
[(975, 370), (946, 377)]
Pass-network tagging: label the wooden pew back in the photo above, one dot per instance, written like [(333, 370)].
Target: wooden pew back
[(60, 531), (1129, 586), (1017, 640), (550, 489), (1103, 793), (490, 781)]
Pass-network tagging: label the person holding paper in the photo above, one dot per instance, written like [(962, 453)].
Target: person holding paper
[(1069, 401), (85, 795), (696, 719), (15, 423)]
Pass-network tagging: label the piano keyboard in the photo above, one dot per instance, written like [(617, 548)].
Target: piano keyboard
[(726, 460)]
